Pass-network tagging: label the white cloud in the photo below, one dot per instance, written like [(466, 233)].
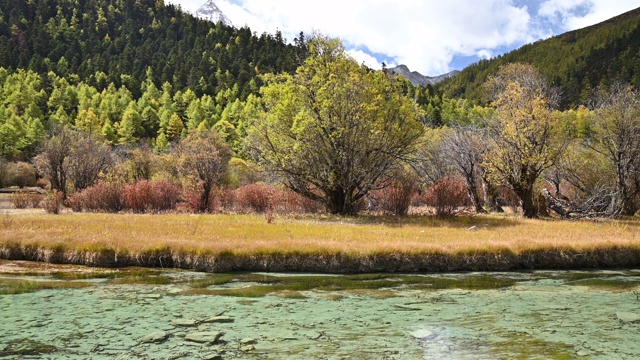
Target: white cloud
[(424, 35), (363, 58), (576, 14), (484, 54)]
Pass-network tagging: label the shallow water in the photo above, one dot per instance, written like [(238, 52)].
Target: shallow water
[(539, 315)]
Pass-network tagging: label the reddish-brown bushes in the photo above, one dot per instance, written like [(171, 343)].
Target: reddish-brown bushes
[(164, 195), (53, 202), (24, 199), (141, 196), (292, 202), (396, 198), (144, 196), (263, 198), (446, 195), (255, 198), (99, 197), (193, 200), (136, 196)]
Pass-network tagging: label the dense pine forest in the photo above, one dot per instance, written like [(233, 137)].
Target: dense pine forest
[(103, 42), (113, 105)]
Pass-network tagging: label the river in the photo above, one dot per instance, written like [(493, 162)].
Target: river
[(74, 312)]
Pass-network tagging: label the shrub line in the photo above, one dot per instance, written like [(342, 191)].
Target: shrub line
[(335, 263)]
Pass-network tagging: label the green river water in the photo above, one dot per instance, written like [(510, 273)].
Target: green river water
[(82, 313)]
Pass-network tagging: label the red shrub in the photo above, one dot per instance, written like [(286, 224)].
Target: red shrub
[(258, 198), (396, 198), (227, 199), (99, 197), (137, 196), (23, 199), (193, 199), (288, 201), (446, 195), (255, 198), (164, 195)]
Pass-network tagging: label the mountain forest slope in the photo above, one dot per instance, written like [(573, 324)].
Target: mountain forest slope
[(115, 41), (577, 61)]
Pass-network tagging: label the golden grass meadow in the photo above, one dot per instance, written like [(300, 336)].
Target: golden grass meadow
[(310, 234)]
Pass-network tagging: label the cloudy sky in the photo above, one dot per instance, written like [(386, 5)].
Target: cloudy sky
[(429, 36)]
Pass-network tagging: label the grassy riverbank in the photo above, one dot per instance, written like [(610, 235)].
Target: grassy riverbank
[(318, 243)]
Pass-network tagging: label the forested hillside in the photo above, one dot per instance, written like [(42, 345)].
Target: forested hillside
[(577, 61), (126, 71), (114, 41)]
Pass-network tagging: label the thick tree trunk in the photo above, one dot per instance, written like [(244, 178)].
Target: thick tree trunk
[(205, 198), (529, 209), (475, 198), (341, 202)]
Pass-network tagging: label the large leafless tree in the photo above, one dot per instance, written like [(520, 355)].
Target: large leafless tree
[(53, 159), (76, 156), (204, 156), (616, 137), (463, 147)]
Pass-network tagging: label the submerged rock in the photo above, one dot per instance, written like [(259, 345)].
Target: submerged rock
[(407, 307), (204, 336), (248, 341), (155, 337), (219, 319), (211, 357), (424, 334), (628, 317), (184, 322), (247, 348)]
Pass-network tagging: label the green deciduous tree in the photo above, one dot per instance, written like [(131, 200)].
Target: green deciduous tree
[(335, 130)]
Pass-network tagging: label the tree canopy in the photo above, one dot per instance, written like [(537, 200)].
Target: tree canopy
[(334, 131)]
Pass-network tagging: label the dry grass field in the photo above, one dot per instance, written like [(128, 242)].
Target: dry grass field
[(310, 234)]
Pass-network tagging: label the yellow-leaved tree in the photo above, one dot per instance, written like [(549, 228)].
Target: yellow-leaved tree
[(334, 130), (525, 140)]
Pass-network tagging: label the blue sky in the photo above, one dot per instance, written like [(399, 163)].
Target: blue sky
[(429, 36)]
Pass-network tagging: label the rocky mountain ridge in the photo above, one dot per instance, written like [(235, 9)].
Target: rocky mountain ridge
[(418, 79)]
